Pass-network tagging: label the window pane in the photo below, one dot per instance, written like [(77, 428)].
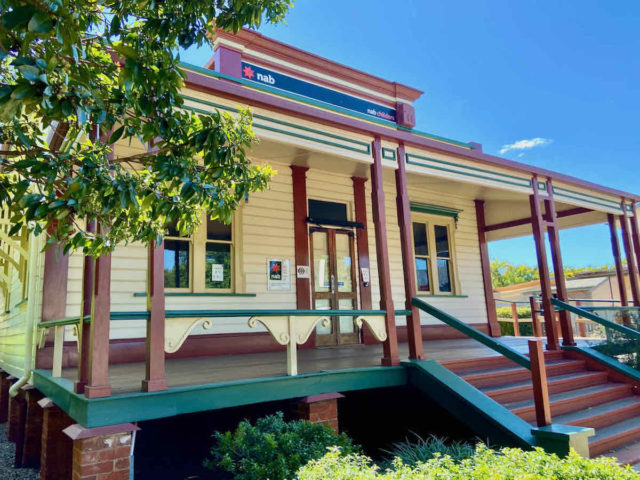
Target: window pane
[(176, 264), (216, 230), (420, 238), (218, 265), (442, 241), (343, 259), (444, 278), (423, 274)]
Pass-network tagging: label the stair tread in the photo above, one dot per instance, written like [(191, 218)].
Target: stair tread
[(566, 395), (515, 368), (604, 408), (615, 429), (627, 454), (554, 379)]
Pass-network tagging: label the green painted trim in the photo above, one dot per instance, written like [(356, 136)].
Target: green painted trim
[(198, 398), (480, 413), (615, 308), (144, 315), (629, 332), (607, 361), (471, 332), (62, 321), (388, 154), (560, 439), (525, 183), (20, 303), (440, 295), (402, 313), (585, 197), (315, 103), (435, 210), (198, 294)]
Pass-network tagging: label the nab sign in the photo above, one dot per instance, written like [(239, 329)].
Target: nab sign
[(312, 91)]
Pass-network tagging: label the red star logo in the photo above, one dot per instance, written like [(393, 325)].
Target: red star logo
[(247, 72)]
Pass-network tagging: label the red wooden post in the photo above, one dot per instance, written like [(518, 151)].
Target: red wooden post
[(631, 260), (558, 268), (539, 381), (155, 379), (414, 329), (362, 239), (301, 243), (98, 373), (485, 264), (615, 246), (390, 345), (84, 329), (538, 225), (535, 320), (514, 315)]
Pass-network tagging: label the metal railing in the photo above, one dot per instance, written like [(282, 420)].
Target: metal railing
[(534, 362)]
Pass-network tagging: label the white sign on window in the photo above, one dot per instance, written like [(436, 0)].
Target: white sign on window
[(217, 272)]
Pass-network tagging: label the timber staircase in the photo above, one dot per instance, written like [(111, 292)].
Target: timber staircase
[(581, 393)]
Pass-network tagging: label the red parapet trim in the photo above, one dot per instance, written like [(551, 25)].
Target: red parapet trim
[(268, 46), (631, 260), (54, 284), (257, 98), (617, 259)]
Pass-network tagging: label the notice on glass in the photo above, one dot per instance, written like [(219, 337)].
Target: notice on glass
[(217, 272), (278, 277)]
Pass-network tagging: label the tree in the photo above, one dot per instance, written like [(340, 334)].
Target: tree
[(89, 73)]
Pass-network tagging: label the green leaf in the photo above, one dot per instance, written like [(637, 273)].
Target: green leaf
[(125, 50), (115, 136), (40, 23), (29, 72), (18, 17), (22, 91), (5, 90)]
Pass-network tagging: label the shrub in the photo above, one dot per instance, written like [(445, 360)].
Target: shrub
[(273, 448), (506, 328), (505, 312), (508, 463), (412, 452)]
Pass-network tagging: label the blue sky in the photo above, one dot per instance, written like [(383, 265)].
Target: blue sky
[(498, 72)]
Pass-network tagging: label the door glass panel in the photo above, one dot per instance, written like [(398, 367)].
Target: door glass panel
[(343, 259), (323, 304), (346, 323), (218, 265), (176, 263), (422, 272), (442, 241), (444, 277), (420, 239), (321, 267)]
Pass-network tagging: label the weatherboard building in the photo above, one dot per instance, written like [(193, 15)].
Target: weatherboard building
[(368, 248)]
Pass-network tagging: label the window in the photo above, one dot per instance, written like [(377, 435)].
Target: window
[(202, 262), (433, 253)]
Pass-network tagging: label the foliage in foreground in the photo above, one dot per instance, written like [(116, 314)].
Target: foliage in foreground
[(486, 464), (89, 73), (421, 449), (273, 448)]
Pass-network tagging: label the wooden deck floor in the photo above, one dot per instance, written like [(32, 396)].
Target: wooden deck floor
[(126, 378)]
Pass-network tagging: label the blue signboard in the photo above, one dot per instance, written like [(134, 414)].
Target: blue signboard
[(311, 90)]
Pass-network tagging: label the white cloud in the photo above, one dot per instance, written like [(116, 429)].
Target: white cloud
[(525, 144)]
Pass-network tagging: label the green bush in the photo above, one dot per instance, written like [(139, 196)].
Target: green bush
[(420, 449), (505, 312), (506, 328), (486, 464), (272, 448)]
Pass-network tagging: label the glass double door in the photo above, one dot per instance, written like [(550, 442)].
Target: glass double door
[(334, 283)]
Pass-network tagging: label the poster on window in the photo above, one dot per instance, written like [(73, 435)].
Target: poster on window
[(217, 272), (278, 274)]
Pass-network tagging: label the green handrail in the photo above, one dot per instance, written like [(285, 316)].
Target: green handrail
[(469, 331), (61, 322), (617, 309), (630, 332)]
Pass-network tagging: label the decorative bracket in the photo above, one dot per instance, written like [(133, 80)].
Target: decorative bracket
[(178, 329), (289, 331), (375, 324)]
